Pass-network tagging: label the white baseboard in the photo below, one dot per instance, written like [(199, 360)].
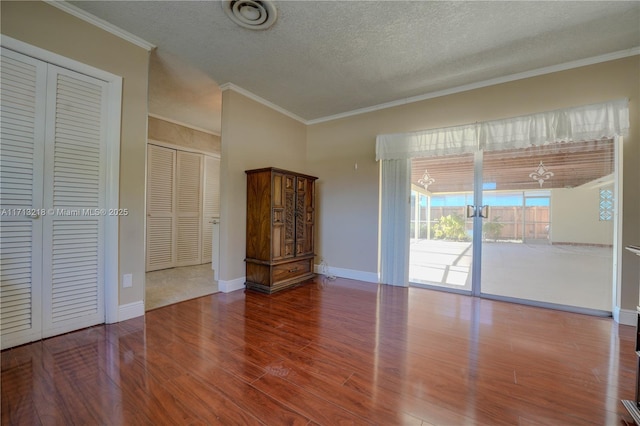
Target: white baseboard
[(130, 310), (352, 274), (231, 285), (625, 316)]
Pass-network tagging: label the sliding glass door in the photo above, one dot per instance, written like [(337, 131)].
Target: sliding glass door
[(532, 224), (441, 251), (548, 236)]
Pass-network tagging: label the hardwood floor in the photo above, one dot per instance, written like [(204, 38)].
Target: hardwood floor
[(328, 353)]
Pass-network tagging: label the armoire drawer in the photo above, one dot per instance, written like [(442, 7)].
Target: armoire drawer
[(287, 271)]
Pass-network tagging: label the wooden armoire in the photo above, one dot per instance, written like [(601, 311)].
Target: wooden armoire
[(280, 229)]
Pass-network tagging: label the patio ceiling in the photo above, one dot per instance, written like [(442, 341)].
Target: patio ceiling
[(570, 165)]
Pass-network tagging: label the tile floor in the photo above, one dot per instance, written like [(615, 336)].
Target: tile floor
[(169, 286)]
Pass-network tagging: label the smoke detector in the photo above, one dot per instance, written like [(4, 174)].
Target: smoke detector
[(251, 14)]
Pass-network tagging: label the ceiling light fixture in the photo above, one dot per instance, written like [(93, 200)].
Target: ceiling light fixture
[(426, 179), (251, 14), (541, 174)]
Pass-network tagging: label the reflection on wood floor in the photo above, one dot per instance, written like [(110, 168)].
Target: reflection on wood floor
[(329, 353)]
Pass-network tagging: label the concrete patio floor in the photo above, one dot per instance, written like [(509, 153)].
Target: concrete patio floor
[(578, 276)]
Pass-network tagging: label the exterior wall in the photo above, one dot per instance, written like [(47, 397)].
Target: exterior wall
[(253, 136), (575, 217), (348, 198), (46, 27)]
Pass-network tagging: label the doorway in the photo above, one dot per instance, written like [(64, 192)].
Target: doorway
[(183, 207)]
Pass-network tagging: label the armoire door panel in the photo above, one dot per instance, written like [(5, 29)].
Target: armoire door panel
[(258, 220), (289, 216), (22, 129)]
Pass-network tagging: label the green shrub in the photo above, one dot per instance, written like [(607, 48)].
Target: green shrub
[(450, 227)]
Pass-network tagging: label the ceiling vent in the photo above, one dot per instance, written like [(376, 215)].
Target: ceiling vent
[(251, 14)]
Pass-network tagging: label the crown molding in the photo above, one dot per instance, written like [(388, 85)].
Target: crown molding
[(100, 23), (94, 20), (492, 82), (248, 94)]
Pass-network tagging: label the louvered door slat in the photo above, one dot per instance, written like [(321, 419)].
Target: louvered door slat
[(73, 261), (189, 208), (161, 165), (188, 232), (21, 162)]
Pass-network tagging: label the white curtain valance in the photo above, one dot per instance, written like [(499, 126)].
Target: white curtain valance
[(590, 122)]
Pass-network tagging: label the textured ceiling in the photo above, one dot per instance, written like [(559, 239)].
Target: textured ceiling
[(330, 57)]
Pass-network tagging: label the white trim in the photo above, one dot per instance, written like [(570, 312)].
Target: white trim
[(182, 148), (492, 82), (111, 242), (100, 23), (618, 249), (248, 94), (112, 200), (231, 285), (131, 310), (625, 316), (548, 305), (183, 124), (352, 274)]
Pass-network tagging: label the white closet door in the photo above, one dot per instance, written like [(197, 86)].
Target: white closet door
[(161, 242), (74, 186), (22, 83), (53, 146), (189, 199), (211, 204)]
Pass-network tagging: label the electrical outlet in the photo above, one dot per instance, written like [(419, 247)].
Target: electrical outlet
[(127, 280)]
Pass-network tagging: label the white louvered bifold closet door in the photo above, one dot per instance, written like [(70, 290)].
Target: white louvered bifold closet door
[(22, 80), (161, 244), (75, 180), (211, 204), (188, 200), (53, 160)]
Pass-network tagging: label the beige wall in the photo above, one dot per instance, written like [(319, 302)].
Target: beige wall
[(183, 136), (348, 198), (256, 136), (575, 217), (46, 27), (253, 136)]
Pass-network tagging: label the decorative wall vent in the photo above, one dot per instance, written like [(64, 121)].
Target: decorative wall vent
[(251, 14)]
